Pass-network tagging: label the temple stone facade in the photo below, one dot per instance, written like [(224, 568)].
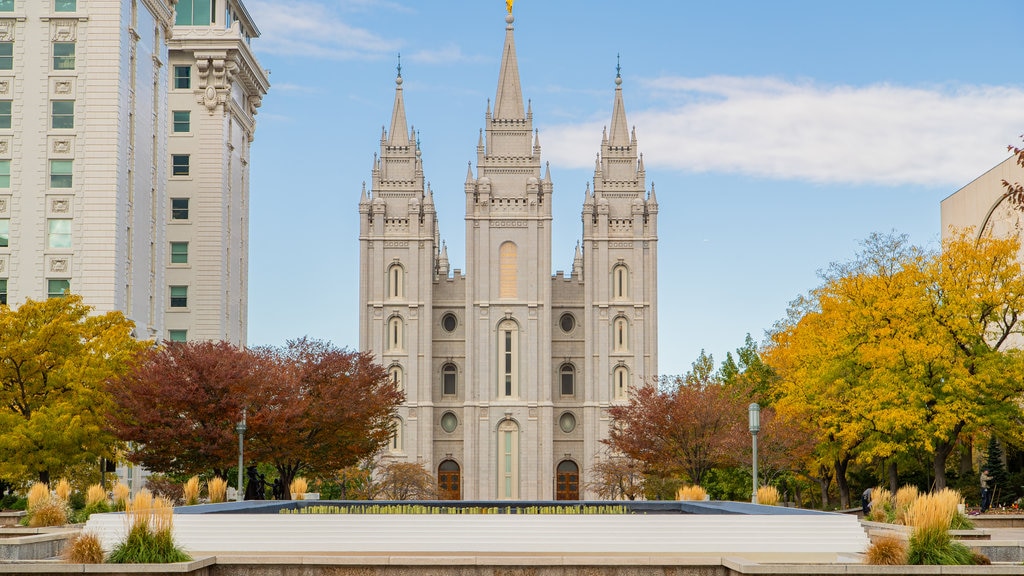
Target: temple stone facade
[(508, 371)]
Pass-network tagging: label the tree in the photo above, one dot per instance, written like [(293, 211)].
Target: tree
[(54, 360), (617, 478), (1000, 482), (325, 409), (405, 481), (179, 407), (684, 429)]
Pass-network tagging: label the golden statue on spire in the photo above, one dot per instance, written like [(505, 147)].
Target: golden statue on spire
[(508, 4)]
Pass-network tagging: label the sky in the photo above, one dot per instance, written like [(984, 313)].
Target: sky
[(778, 135)]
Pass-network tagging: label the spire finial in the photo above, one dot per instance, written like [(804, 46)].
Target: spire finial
[(618, 69), (399, 64)]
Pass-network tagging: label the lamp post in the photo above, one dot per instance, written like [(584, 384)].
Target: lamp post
[(755, 427), (240, 429)]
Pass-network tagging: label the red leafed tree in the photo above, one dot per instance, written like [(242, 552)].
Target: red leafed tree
[(179, 407), (327, 409), (685, 429)]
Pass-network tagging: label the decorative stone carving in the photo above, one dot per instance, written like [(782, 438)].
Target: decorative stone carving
[(60, 205), (62, 86), (7, 29), (5, 86), (64, 30), (532, 413), (3, 266), (59, 265), (3, 205), (620, 244), (61, 146), (212, 71), (5, 147), (508, 223), (483, 413), (397, 244), (412, 414)]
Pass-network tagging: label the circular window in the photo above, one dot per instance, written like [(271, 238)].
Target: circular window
[(567, 322), (567, 422), (449, 422), (449, 322)]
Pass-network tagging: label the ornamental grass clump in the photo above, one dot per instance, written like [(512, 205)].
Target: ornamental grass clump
[(95, 502), (768, 495), (887, 551), (904, 498), (691, 493), (191, 491), (63, 490), (84, 549), (881, 505), (218, 489), (930, 517), (121, 494), (45, 508), (150, 539), (298, 488)]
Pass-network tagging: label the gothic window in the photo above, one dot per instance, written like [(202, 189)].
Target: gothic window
[(396, 436), (395, 372), (508, 359), (394, 334), (449, 379), (620, 383), (620, 282), (620, 333), (508, 269), (508, 460), (567, 378), (396, 279)]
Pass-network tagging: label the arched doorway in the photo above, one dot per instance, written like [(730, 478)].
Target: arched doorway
[(567, 481), (449, 481)]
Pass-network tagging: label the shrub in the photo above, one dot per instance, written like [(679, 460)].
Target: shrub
[(931, 516), (298, 488), (84, 549), (768, 495), (191, 491), (150, 539), (218, 489), (121, 495), (44, 508), (691, 493), (161, 485), (887, 551)]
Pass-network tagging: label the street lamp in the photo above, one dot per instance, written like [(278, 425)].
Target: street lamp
[(755, 427), (240, 429)]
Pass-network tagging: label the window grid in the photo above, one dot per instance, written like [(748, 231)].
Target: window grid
[(60, 174), (5, 232), (57, 288), (182, 77), (182, 121), (177, 335), (179, 164), (5, 173), (62, 114), (179, 296), (5, 114), (179, 208), (3, 291), (6, 5), (58, 233), (64, 5), (6, 55), (179, 252), (63, 55)]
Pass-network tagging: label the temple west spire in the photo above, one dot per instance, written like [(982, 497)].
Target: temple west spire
[(399, 135), (508, 104), (619, 137)]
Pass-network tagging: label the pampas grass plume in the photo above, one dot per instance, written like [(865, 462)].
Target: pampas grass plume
[(768, 495), (63, 489), (887, 551), (298, 488), (121, 494), (904, 498), (218, 489), (191, 491), (881, 500), (95, 495), (37, 494), (691, 493)]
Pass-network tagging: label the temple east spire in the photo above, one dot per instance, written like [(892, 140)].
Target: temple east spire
[(619, 137), (508, 104), (399, 135)]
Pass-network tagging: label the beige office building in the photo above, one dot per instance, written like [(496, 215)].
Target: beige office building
[(89, 130), (984, 205), (508, 370)]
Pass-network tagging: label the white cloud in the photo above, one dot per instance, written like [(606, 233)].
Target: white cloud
[(308, 28), (768, 127)]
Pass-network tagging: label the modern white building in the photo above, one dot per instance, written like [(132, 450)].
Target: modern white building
[(508, 370), (93, 126), (984, 205)]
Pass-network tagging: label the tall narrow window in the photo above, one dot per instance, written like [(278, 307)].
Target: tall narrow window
[(3, 291), (63, 55), (395, 333), (6, 55), (179, 252), (395, 372), (620, 282), (396, 279), (58, 233), (62, 114), (57, 288), (508, 460), (179, 296), (5, 173), (182, 121), (396, 435), (568, 379), (508, 269), (60, 174), (182, 75), (179, 164), (508, 359), (179, 208), (5, 232), (621, 334), (449, 381), (5, 114), (620, 383)]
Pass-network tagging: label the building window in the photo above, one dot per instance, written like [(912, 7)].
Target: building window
[(567, 374), (179, 208), (396, 435), (396, 279), (63, 55), (179, 252), (62, 114), (193, 13), (6, 5), (508, 460), (179, 164), (621, 334), (182, 121), (567, 322), (508, 269), (395, 372), (182, 75), (567, 422), (508, 359), (620, 382), (58, 233), (60, 174), (449, 322), (177, 335), (5, 232), (449, 380), (394, 333), (5, 173), (57, 288), (64, 5), (3, 291), (449, 422), (5, 114), (620, 282), (6, 55), (179, 296)]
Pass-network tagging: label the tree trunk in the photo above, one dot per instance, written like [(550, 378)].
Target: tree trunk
[(844, 487), (894, 477), (44, 477), (287, 473), (824, 481), (966, 458), (942, 452)]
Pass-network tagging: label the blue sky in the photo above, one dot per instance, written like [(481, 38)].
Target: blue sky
[(778, 135)]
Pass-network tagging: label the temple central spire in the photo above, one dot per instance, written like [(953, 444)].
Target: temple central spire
[(508, 104)]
